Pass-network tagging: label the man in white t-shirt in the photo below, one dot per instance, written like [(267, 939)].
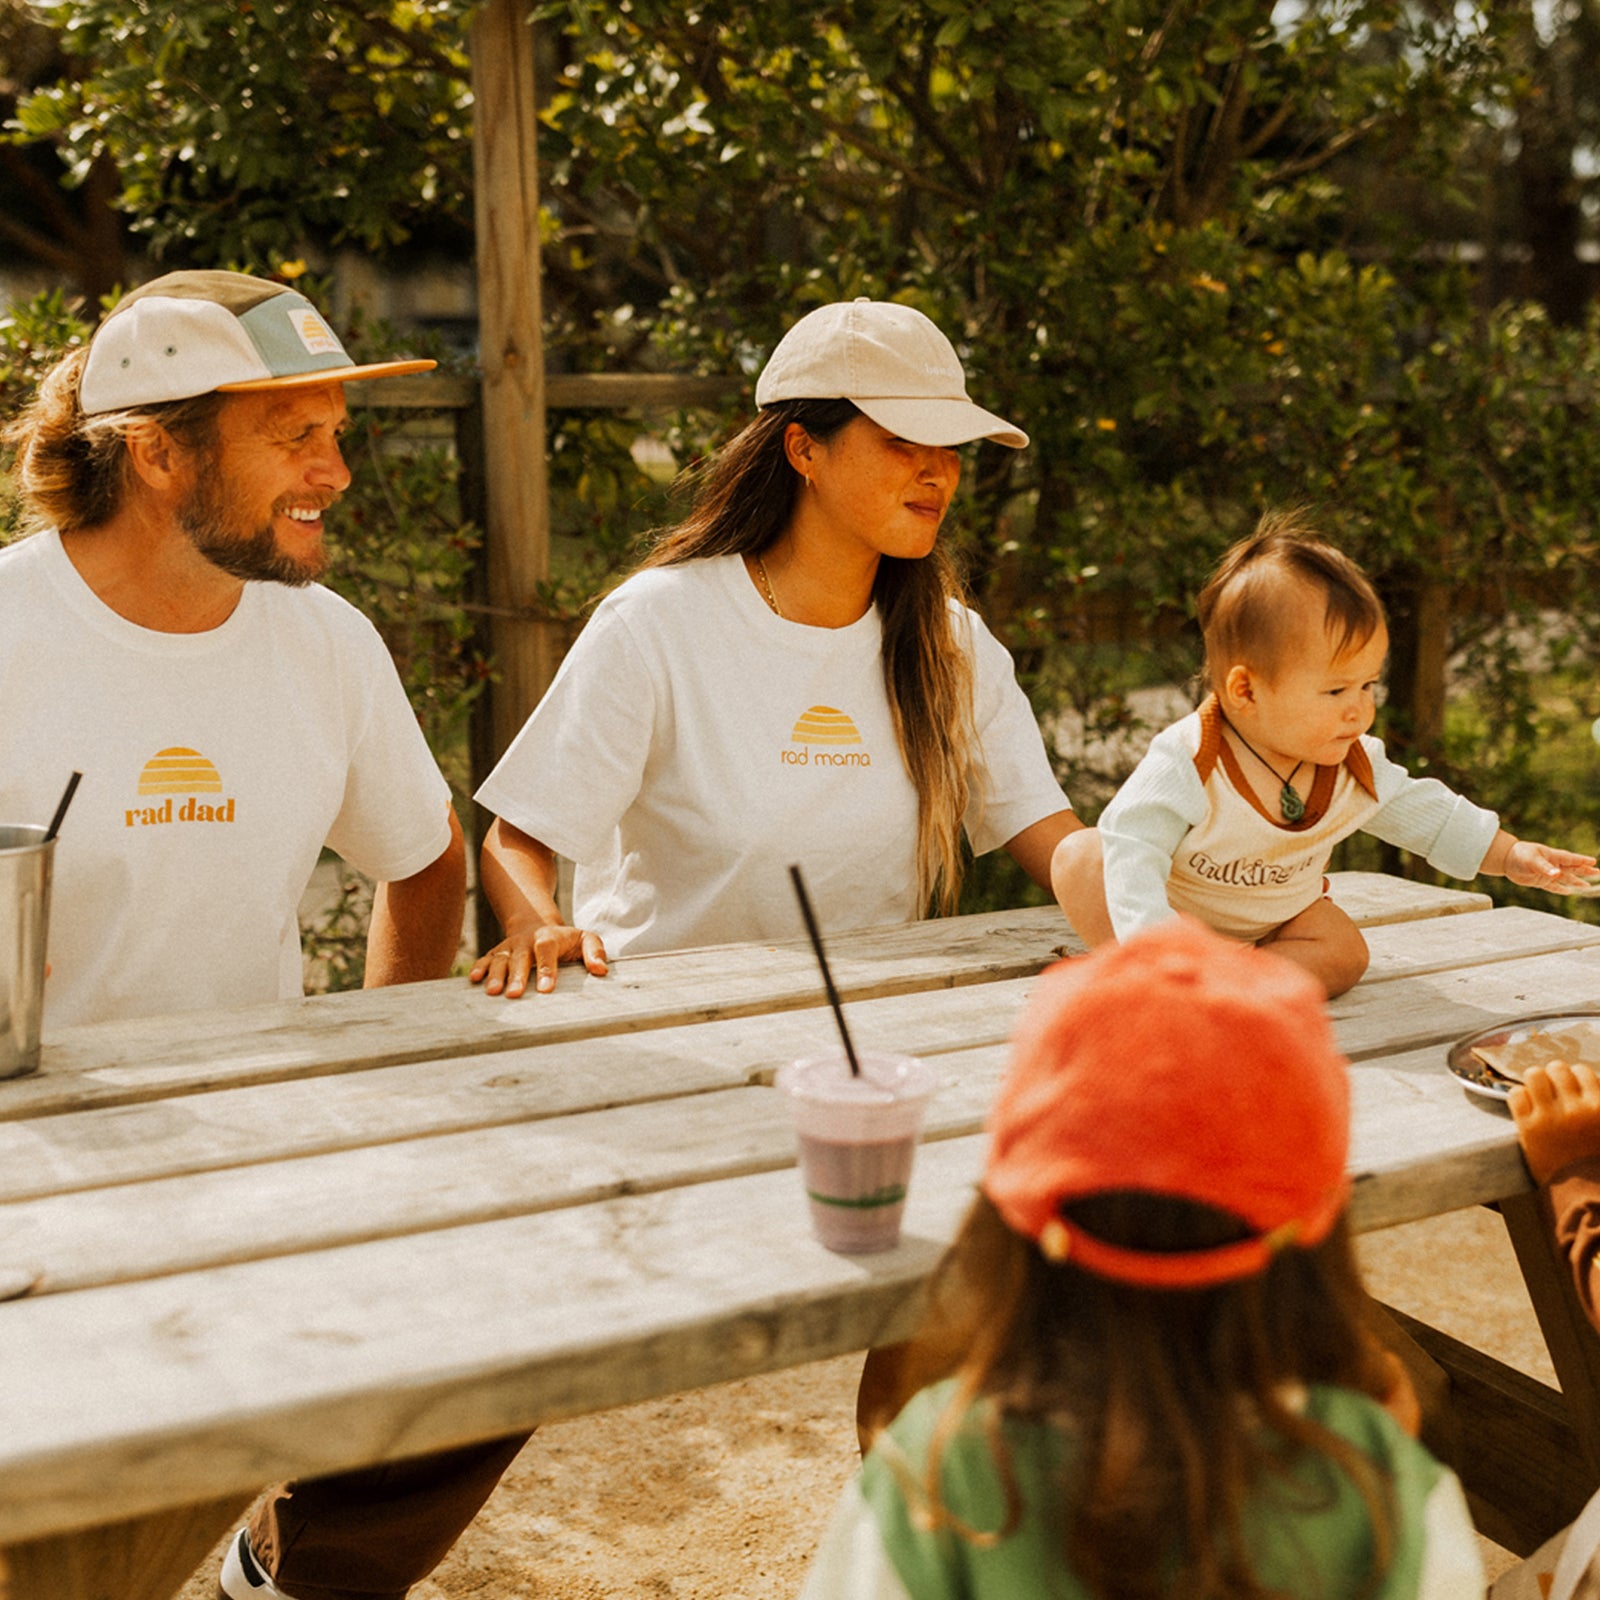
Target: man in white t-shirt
[(160, 631)]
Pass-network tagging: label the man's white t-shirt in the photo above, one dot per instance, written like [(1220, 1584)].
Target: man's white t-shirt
[(694, 744), (215, 767)]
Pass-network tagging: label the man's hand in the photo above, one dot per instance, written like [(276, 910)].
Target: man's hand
[(1557, 1112)]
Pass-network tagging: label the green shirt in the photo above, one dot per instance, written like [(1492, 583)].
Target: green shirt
[(1310, 1537)]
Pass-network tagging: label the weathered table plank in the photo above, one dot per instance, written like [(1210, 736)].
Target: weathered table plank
[(1475, 939), (134, 1060), (183, 1224), (1374, 899), (131, 1061), (187, 1388), (259, 1123), (1404, 1013)]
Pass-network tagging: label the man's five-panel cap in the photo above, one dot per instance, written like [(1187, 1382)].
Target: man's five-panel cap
[(190, 333), (893, 362), (1177, 1064)]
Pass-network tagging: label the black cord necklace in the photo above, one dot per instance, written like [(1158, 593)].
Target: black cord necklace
[(1289, 802)]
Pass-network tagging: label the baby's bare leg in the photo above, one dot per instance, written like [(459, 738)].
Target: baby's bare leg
[(1324, 941), (1077, 879)]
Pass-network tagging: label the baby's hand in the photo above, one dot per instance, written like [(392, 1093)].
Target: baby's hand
[(1542, 866), (1557, 1112)]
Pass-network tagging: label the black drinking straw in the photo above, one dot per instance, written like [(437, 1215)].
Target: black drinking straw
[(822, 961), (61, 808)]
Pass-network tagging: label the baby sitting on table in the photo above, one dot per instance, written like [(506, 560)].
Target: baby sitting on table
[(1234, 811)]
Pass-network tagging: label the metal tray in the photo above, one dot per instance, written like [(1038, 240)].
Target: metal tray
[(1478, 1077)]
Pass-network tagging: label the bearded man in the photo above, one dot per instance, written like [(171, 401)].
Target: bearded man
[(161, 632)]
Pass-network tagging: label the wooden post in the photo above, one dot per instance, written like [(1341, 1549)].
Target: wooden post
[(517, 526)]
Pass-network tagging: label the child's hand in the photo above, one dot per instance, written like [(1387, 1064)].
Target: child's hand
[(1557, 1112), (1542, 866)]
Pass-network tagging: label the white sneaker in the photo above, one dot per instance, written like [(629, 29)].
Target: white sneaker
[(241, 1578)]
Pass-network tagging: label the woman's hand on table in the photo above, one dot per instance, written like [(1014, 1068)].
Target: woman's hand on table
[(507, 967)]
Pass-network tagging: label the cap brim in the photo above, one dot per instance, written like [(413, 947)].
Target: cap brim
[(301, 380), (940, 422)]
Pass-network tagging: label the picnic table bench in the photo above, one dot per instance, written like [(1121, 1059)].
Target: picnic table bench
[(303, 1237)]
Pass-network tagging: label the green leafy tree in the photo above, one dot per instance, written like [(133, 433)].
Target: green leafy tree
[(1192, 247), (244, 132)]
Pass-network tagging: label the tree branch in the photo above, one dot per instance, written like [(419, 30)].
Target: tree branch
[(913, 98), (1319, 158), (887, 158)]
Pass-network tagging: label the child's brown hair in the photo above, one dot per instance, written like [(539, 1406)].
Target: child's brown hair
[(1180, 1403), (1241, 609)]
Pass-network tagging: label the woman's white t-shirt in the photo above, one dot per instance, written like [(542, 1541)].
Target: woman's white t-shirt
[(694, 744)]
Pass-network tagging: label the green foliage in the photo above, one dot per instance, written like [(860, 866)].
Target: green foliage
[(241, 131), (34, 335), (1179, 244)]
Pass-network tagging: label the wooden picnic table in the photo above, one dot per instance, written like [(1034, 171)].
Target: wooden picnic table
[(303, 1237)]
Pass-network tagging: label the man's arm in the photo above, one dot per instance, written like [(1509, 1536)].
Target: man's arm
[(415, 930)]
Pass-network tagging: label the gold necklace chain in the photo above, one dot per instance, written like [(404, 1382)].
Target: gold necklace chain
[(766, 589)]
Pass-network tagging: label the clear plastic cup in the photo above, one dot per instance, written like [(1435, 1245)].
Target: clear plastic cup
[(857, 1138)]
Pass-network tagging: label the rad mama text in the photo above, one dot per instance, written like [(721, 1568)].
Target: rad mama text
[(191, 810), (805, 756)]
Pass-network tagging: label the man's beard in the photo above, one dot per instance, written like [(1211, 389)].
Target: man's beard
[(204, 516)]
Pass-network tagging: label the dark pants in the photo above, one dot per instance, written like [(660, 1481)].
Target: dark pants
[(370, 1535)]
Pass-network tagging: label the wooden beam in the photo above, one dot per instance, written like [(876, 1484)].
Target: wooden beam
[(147, 1558), (1521, 1462), (607, 391), (511, 351), (1568, 1335)]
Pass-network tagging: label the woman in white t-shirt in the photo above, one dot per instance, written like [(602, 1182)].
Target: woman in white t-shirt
[(790, 676)]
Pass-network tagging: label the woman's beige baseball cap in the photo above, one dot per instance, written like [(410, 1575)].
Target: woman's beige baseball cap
[(892, 362), (190, 333)]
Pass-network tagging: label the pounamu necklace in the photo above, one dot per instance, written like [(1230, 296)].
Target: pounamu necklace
[(1289, 802)]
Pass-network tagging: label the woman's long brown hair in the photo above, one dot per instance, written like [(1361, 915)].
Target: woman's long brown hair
[(1179, 1403), (744, 499)]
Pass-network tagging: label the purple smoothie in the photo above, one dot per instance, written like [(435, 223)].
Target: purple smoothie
[(857, 1138)]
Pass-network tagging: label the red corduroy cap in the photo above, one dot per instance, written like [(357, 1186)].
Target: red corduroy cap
[(1178, 1063)]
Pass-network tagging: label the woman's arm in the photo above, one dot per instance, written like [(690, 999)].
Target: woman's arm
[(1033, 848), (519, 877)]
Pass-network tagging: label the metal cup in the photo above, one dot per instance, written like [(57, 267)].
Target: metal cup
[(26, 857)]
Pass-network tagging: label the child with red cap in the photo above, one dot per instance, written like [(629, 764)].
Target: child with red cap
[(1168, 1385)]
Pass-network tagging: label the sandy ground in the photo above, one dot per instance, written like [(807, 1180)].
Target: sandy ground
[(721, 1494)]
